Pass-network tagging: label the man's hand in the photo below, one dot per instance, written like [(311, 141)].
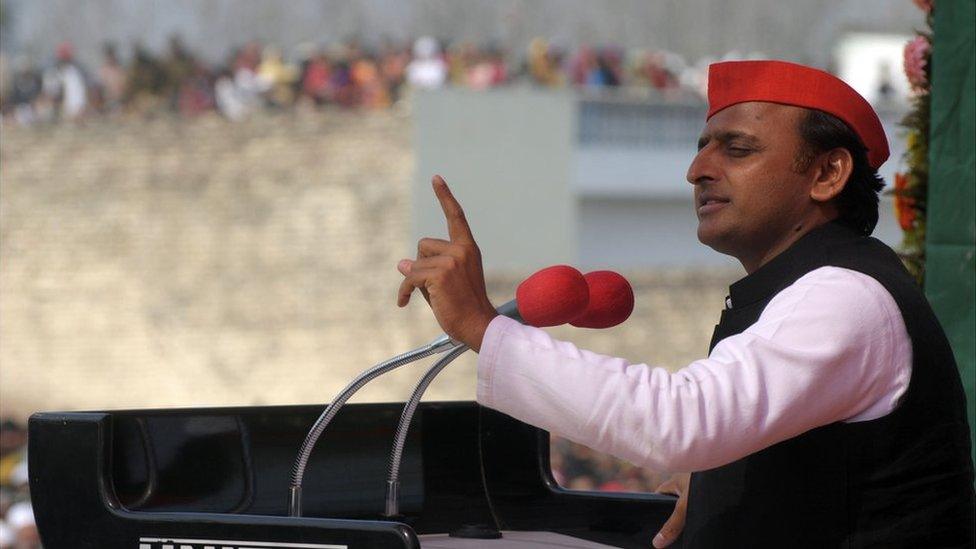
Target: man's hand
[(677, 485), (449, 274)]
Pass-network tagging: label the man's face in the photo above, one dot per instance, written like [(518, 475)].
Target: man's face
[(749, 196)]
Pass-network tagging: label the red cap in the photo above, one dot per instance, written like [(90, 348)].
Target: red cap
[(733, 82)]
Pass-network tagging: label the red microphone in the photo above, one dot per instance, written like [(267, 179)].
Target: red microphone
[(550, 297), (611, 301)]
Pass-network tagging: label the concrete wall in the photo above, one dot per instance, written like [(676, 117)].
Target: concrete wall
[(191, 263)]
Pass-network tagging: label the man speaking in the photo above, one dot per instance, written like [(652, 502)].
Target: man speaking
[(829, 411)]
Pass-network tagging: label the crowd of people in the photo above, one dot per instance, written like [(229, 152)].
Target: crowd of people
[(350, 75), (17, 527), (577, 467)]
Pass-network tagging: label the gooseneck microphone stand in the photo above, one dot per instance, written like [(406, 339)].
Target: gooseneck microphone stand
[(392, 508), (439, 345)]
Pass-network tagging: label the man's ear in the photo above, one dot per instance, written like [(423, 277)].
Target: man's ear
[(833, 169)]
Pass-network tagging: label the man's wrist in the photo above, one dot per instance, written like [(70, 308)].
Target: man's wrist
[(476, 333)]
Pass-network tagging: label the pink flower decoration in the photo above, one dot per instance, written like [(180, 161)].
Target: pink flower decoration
[(924, 5), (916, 59)]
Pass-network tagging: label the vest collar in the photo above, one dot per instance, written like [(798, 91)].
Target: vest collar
[(763, 283)]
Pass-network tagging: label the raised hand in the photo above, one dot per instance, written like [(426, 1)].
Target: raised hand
[(449, 274)]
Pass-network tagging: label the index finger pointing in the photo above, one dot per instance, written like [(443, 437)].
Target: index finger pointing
[(457, 225)]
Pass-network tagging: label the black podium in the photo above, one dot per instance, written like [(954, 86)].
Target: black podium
[(218, 478)]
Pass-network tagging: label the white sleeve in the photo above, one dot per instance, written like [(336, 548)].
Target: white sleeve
[(830, 347)]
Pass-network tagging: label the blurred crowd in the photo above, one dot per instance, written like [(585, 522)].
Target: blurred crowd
[(577, 467), (349, 75), (17, 527)]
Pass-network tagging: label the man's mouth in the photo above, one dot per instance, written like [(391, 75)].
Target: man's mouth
[(708, 203)]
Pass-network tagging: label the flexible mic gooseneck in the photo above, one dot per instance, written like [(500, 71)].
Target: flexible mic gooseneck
[(549, 297), (611, 301), (439, 345), (392, 508)]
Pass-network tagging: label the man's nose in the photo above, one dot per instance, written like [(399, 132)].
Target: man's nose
[(702, 168)]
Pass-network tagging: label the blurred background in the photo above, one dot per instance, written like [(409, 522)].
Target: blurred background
[(202, 202)]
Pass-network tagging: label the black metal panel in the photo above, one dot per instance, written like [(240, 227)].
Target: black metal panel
[(75, 504), (107, 480), (174, 463), (233, 460)]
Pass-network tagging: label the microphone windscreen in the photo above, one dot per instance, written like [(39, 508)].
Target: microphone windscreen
[(611, 301), (553, 296)]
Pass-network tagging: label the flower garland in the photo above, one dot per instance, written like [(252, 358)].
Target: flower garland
[(911, 186)]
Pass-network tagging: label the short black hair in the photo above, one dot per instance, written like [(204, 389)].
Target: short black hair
[(858, 202)]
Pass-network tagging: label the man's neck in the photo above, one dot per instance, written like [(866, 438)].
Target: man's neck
[(753, 263)]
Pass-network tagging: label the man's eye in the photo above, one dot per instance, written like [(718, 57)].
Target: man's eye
[(739, 151)]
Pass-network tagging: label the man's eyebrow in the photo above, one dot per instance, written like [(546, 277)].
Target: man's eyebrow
[(726, 136)]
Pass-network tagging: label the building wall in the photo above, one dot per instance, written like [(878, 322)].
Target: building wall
[(190, 263), (509, 153)]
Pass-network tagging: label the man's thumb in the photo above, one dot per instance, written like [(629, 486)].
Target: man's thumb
[(405, 266), (670, 531)]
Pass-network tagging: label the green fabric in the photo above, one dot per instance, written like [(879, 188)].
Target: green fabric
[(951, 238)]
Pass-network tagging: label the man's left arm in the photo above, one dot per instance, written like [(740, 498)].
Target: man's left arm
[(831, 347)]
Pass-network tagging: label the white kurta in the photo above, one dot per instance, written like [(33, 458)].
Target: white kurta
[(830, 347)]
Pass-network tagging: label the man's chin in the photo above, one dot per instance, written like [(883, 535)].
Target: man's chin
[(714, 236)]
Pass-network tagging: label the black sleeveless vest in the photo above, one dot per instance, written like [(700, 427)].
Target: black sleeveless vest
[(903, 480)]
